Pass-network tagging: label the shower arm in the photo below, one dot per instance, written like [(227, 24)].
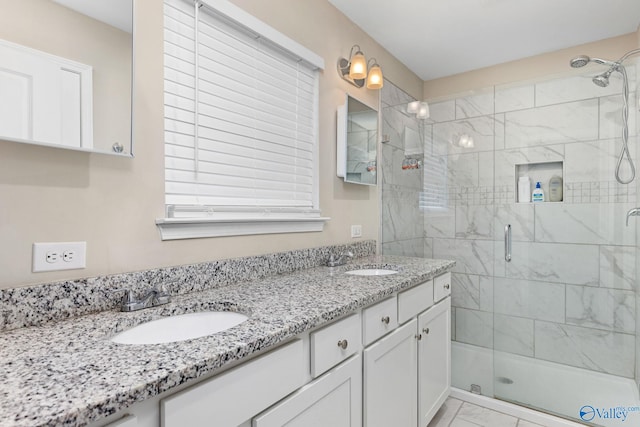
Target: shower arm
[(628, 54)]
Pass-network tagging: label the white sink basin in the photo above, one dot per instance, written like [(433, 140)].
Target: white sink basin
[(180, 328), (371, 272)]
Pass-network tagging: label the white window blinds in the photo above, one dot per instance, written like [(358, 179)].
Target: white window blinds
[(435, 194), (240, 115)]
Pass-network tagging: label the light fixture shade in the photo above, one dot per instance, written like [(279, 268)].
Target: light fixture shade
[(423, 111), (375, 79), (413, 107), (358, 69)]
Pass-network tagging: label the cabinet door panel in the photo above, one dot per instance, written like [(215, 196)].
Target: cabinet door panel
[(390, 379), (434, 359), (334, 399)]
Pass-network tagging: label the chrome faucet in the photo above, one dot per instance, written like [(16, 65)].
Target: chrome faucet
[(340, 260), (152, 298)]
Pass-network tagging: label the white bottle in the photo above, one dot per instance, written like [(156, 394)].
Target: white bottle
[(538, 194), (524, 189), (555, 189)]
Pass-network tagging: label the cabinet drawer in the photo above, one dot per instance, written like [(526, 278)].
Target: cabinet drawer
[(236, 395), (414, 301), (379, 319), (334, 343), (128, 421), (441, 286), (334, 399)]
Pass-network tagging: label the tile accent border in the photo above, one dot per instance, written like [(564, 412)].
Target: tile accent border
[(49, 302)]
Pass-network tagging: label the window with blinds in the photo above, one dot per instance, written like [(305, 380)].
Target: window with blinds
[(241, 114), (435, 194)]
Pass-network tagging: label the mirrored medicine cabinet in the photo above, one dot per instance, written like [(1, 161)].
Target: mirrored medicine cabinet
[(357, 142), (66, 74)]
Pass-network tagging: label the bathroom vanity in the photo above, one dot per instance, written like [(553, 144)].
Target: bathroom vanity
[(318, 345)]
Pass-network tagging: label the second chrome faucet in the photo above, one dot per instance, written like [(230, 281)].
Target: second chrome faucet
[(152, 298), (340, 260)]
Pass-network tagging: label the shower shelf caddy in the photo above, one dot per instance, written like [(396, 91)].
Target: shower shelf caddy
[(542, 172)]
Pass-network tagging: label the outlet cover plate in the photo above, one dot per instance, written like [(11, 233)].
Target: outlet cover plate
[(44, 253), (356, 231)]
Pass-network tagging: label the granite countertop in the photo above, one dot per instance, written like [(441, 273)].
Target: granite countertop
[(69, 373)]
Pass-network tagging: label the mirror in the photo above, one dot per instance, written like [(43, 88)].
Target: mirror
[(66, 74), (357, 138)]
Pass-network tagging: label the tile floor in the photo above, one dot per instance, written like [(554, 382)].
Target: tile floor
[(456, 413)]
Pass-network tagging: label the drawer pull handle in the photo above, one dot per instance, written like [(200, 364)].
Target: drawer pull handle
[(426, 331), (343, 344), (386, 320), (447, 286), (419, 337)]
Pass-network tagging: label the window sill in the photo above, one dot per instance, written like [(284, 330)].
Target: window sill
[(195, 228)]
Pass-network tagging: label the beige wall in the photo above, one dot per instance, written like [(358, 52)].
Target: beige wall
[(46, 26), (49, 195), (527, 69)]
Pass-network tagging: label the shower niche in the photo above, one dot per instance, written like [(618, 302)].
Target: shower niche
[(539, 172)]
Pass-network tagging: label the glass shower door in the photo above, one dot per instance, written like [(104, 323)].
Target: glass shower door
[(564, 281)]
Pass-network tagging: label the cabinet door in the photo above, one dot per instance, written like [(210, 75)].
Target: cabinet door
[(390, 379), (334, 399), (45, 98), (434, 360)]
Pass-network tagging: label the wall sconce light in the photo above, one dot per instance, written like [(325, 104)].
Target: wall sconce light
[(354, 70), (419, 108), (463, 141)]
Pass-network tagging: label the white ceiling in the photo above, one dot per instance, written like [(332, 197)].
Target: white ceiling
[(117, 13), (437, 38)]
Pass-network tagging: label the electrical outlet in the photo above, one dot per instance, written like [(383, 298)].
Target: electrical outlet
[(59, 256), (69, 256), (52, 257), (356, 231)]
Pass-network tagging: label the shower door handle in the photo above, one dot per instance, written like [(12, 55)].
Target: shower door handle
[(632, 212), (507, 242)]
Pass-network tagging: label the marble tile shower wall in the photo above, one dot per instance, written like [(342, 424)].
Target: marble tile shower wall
[(402, 219), (568, 295)]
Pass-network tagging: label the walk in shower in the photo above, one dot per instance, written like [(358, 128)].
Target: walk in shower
[(555, 327)]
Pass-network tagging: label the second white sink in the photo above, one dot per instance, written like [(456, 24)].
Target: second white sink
[(180, 328), (371, 272)]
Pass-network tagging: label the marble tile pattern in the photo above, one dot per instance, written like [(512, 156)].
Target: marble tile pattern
[(458, 413), (39, 304), (403, 195), (68, 373), (570, 289)]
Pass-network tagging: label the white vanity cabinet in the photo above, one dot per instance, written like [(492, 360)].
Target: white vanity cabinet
[(325, 378), (407, 373)]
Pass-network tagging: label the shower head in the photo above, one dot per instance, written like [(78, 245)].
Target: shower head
[(602, 80), (579, 61), (582, 60)]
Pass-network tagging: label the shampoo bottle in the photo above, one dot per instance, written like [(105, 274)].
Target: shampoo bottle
[(555, 189), (538, 194), (524, 189)]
